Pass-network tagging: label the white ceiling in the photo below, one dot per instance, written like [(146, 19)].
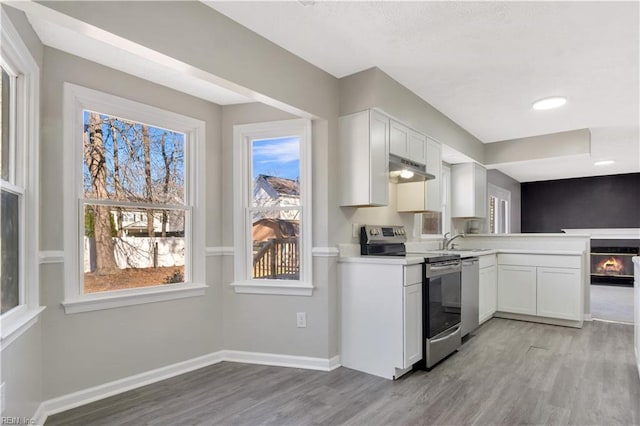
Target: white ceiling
[(483, 63)]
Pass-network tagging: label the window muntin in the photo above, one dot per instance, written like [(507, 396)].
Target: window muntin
[(133, 204)]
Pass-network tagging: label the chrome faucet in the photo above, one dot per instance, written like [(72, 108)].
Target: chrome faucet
[(447, 241)]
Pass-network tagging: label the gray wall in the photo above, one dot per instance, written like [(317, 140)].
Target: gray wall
[(498, 178), (88, 349), (373, 88), (259, 323), (21, 361), (214, 43)]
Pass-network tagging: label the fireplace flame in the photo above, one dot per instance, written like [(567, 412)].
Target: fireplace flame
[(610, 266)]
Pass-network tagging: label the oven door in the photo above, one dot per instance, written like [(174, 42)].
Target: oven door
[(441, 297)]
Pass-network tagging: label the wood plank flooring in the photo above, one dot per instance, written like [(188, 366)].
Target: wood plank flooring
[(507, 373)]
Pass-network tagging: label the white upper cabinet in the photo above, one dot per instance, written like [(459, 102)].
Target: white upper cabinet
[(468, 190), (364, 159), (407, 143), (424, 196)]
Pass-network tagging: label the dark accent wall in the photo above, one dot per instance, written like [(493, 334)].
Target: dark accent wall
[(591, 202)]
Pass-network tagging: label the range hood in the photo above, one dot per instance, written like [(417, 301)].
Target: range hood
[(402, 170)]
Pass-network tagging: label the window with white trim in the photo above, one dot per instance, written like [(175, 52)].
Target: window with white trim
[(272, 206), (499, 209), (19, 290), (132, 193)]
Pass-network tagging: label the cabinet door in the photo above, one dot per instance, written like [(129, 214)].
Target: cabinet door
[(434, 167), (559, 293), (480, 192), (379, 158), (469, 190), (416, 143), (488, 292), (398, 139), (517, 289), (412, 324)]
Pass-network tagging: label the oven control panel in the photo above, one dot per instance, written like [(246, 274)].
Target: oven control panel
[(383, 234)]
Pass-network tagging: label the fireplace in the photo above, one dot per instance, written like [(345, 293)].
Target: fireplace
[(612, 265)]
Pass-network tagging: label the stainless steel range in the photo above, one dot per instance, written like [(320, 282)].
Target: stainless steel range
[(382, 240), (441, 290)]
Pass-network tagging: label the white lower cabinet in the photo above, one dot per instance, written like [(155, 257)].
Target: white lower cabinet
[(488, 289), (412, 342), (517, 289), (544, 286), (381, 317), (556, 293)]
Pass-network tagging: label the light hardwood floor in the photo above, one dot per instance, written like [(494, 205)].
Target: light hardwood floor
[(507, 373)]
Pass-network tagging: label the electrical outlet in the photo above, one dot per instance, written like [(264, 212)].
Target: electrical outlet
[(355, 230), (301, 319)]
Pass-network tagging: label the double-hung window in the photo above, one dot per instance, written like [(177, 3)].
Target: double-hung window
[(499, 210), (132, 197), (435, 224), (19, 301), (272, 206)]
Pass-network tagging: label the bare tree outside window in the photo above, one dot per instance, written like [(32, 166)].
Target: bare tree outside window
[(134, 204)]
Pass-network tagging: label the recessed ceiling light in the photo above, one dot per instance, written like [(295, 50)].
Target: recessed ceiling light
[(603, 163), (549, 103)]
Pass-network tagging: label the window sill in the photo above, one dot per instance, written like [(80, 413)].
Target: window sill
[(273, 287), (109, 300), (18, 324)]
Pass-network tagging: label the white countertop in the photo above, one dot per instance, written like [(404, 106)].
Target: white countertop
[(532, 234), (415, 257), (383, 260)]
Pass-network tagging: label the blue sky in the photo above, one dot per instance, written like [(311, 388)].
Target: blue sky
[(277, 157)]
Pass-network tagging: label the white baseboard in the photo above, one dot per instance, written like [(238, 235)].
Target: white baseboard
[(86, 396), (587, 317), (309, 363), (334, 363)]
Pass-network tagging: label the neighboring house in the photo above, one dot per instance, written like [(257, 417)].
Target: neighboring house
[(134, 223), (272, 191), (275, 232)]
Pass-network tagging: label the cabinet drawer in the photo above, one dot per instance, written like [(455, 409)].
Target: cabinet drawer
[(549, 260), (412, 274), (488, 260)]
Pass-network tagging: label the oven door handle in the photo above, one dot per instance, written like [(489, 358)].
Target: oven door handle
[(454, 331), (445, 268)]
